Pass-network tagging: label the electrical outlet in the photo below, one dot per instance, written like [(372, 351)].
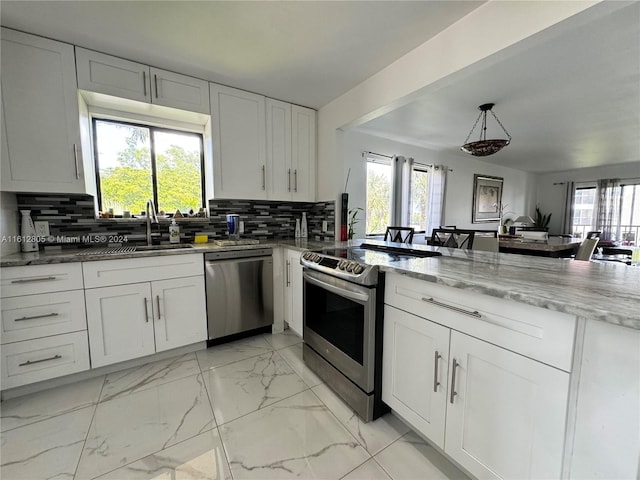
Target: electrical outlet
[(324, 226), (241, 226), (42, 228)]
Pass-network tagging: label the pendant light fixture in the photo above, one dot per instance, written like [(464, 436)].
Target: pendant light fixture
[(484, 147)]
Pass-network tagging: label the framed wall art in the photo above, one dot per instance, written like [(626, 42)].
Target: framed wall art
[(487, 198)]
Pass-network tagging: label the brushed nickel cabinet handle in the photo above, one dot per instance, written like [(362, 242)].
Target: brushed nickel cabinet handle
[(288, 275), (436, 383), (146, 311), (264, 178), (158, 304), (295, 180), (289, 180), (46, 315), (33, 362), (155, 80), (30, 280), (144, 82), (474, 313), (453, 392), (75, 158)]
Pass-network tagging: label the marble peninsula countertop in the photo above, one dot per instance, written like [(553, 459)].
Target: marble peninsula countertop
[(608, 292)]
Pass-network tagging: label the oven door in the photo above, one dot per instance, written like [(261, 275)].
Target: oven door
[(339, 324)]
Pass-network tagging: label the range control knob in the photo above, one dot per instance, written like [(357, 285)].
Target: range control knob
[(342, 264), (306, 255), (358, 269), (350, 266), (316, 258)]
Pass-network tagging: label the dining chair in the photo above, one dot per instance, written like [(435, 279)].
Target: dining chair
[(485, 243), (458, 238), (399, 234), (586, 249)]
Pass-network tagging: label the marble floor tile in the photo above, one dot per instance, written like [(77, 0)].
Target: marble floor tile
[(283, 339), (369, 470), (411, 457), (38, 406), (47, 449), (373, 436), (133, 426), (226, 353), (149, 375), (293, 356), (248, 385), (199, 458), (295, 438)]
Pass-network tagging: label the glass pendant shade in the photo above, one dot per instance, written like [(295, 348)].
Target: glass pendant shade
[(484, 147)]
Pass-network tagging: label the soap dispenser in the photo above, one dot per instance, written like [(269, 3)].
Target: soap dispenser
[(298, 232), (174, 232)]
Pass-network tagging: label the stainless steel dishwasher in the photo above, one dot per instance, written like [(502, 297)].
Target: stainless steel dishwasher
[(239, 286)]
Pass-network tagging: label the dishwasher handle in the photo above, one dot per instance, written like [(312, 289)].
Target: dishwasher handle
[(239, 260)]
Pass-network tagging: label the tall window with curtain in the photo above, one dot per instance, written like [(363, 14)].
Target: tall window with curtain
[(403, 192), (608, 214)]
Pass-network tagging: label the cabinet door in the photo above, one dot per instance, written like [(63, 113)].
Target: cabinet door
[(115, 76), (239, 143), (414, 371), (293, 291), (303, 156), (120, 323), (41, 132), (179, 312), (279, 171), (607, 432), (179, 91), (506, 413)]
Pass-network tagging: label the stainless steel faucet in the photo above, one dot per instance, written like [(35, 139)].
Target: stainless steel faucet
[(151, 218)]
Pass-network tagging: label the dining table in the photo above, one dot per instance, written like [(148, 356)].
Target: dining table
[(551, 247)]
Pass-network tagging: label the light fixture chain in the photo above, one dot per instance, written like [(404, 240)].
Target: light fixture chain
[(474, 127), (499, 123)]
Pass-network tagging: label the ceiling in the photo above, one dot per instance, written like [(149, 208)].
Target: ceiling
[(569, 96), (303, 52)]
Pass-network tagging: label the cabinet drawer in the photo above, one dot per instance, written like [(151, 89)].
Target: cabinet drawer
[(105, 273), (43, 315), (44, 358), (28, 280), (538, 333)]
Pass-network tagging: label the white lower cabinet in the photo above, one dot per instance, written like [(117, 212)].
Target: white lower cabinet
[(131, 320), (293, 291), (497, 413), (134, 320)]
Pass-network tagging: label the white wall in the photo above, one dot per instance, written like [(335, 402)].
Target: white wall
[(519, 187), (498, 24), (551, 197), (9, 223)]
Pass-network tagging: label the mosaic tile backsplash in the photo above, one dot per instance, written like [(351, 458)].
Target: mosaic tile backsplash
[(73, 216)]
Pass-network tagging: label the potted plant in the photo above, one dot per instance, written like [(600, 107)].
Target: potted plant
[(541, 220), (353, 219)]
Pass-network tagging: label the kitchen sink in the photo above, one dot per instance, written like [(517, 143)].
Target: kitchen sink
[(132, 249)]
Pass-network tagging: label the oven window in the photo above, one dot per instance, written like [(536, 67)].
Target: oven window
[(338, 320)]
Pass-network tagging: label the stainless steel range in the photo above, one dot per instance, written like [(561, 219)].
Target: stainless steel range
[(343, 319), (343, 327)]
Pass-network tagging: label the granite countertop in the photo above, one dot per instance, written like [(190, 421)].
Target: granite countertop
[(607, 292), (69, 255)]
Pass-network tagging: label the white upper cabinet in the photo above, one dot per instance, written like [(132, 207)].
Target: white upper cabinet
[(303, 153), (279, 171), (239, 143), (115, 76), (263, 149), (291, 151), (40, 132)]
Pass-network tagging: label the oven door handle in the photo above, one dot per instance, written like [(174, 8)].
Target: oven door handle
[(361, 297)]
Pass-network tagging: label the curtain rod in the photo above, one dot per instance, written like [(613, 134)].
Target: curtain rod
[(366, 152), (588, 181)]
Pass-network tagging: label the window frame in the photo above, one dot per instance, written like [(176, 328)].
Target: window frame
[(382, 160), (154, 180)]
